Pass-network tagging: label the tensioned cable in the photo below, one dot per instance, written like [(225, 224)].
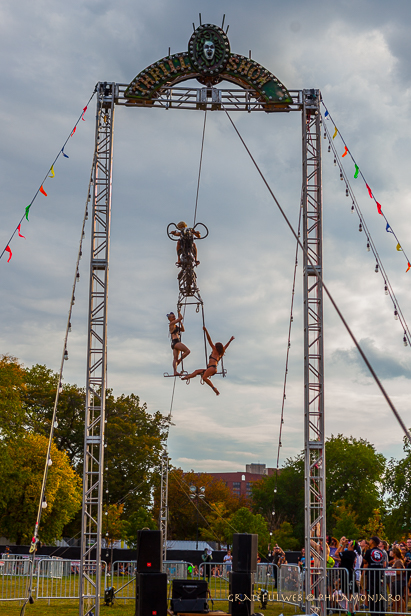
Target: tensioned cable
[(320, 279), (199, 168), (371, 245), (53, 425), (288, 350), (47, 174)]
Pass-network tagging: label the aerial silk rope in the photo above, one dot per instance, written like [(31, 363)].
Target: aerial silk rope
[(199, 168), (320, 279)]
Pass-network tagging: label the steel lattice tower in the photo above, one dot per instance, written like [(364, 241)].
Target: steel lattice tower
[(91, 530), (314, 439)]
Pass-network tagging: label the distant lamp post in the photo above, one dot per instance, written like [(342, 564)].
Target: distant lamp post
[(195, 494)]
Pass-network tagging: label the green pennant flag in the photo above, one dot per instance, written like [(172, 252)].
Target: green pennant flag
[(27, 211), (356, 171)]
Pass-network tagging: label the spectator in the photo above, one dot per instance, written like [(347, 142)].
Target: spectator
[(398, 583), (373, 561), (228, 561)]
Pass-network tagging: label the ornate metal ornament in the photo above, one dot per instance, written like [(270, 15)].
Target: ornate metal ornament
[(210, 61)]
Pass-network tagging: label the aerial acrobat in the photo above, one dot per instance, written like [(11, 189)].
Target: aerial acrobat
[(217, 352), (176, 327)]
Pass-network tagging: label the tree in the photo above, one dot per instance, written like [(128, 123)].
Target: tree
[(397, 482), (374, 526), (284, 537), (12, 387), (113, 525), (354, 472), (182, 510), (137, 520), (22, 476), (346, 523), (217, 524), (244, 521)]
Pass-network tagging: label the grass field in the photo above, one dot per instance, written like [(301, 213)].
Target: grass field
[(70, 608)]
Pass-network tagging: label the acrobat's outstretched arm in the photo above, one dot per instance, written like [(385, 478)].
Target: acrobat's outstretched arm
[(229, 342), (210, 342)]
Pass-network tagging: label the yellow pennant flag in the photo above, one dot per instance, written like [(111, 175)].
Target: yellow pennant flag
[(52, 171), (335, 133), (399, 247)]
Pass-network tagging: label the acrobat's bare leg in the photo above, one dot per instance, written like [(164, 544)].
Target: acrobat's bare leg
[(175, 361), (193, 374), (209, 383), (184, 350)]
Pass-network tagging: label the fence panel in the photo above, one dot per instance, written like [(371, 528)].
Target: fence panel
[(13, 579)]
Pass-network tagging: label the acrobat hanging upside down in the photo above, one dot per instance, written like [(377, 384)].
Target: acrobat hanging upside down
[(186, 245), (217, 351)]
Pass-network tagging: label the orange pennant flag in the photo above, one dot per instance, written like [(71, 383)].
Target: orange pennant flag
[(409, 267), (74, 130), (43, 192), (345, 152)]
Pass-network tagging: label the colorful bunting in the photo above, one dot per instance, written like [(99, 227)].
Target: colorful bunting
[(18, 231), (326, 113), (335, 133), (356, 171), (379, 208), (388, 229), (27, 211), (399, 247), (409, 266), (52, 172), (43, 192), (345, 152), (74, 130), (84, 111), (62, 151), (369, 190), (8, 249)]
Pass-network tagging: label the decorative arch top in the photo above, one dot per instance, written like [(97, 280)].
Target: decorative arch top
[(210, 61)]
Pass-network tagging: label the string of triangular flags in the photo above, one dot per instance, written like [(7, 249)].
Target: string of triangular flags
[(359, 173), (50, 174)]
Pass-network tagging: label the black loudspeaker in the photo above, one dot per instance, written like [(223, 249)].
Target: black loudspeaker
[(151, 594), (241, 588), (149, 551), (245, 552), (189, 596)]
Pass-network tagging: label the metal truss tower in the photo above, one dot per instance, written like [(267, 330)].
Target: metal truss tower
[(163, 517), (210, 98), (314, 440), (91, 528)]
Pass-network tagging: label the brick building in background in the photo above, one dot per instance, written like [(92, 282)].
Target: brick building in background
[(240, 483)]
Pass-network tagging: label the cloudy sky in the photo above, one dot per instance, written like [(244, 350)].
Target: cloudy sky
[(358, 55)]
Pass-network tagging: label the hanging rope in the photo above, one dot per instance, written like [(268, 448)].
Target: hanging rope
[(288, 352), (199, 169), (320, 279)]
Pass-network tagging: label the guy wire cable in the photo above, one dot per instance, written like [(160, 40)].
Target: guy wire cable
[(48, 463), (320, 279)]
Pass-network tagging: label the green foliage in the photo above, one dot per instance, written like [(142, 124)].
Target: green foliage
[(12, 388), (345, 521), (21, 475), (354, 472), (284, 537), (397, 482), (374, 526), (244, 521), (217, 524), (137, 520)]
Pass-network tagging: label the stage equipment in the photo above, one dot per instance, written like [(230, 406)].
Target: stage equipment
[(245, 552), (241, 588), (151, 594), (189, 596), (149, 551)]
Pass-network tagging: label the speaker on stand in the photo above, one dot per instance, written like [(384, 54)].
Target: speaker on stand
[(151, 582)]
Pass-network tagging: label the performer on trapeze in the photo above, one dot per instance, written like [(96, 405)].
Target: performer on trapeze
[(184, 233), (217, 351), (176, 327)]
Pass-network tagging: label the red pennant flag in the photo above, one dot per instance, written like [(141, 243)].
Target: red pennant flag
[(74, 130), (84, 111), (18, 231), (345, 152), (379, 208), (369, 190), (11, 254), (409, 265), (43, 192)]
